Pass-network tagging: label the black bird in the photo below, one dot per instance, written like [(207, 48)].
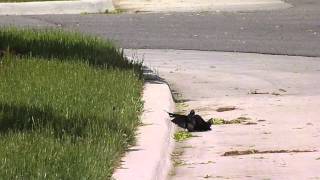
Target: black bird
[(183, 121), (191, 122)]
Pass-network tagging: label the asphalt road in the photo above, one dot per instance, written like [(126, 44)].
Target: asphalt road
[(293, 31)]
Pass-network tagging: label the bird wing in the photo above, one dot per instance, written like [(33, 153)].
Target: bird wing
[(201, 125), (180, 121), (198, 118), (176, 115)]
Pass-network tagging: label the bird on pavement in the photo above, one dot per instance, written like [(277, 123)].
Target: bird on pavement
[(192, 122)]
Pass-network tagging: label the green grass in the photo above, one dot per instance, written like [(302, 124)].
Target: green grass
[(65, 45), (218, 121), (64, 115), (221, 121)]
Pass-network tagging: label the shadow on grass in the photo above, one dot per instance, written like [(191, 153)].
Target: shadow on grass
[(26, 119), (58, 44)]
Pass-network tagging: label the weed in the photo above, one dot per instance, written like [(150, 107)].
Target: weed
[(217, 121), (182, 135), (221, 121)]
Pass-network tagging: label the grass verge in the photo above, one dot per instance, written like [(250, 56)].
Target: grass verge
[(65, 45), (65, 116)]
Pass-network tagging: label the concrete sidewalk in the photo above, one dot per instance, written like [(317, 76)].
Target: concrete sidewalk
[(280, 96), (56, 7), (199, 5), (103, 6)]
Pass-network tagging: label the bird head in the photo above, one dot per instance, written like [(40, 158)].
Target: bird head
[(210, 121), (192, 113)]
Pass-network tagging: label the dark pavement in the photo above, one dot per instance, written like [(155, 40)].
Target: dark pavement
[(293, 31)]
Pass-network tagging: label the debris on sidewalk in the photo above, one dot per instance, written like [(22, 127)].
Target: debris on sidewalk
[(226, 108), (254, 151), (239, 120)]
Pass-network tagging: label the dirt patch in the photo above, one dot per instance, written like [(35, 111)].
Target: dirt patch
[(242, 118), (250, 123), (201, 163), (256, 91), (187, 147), (207, 176), (266, 133), (175, 157), (208, 162), (226, 108), (275, 93), (261, 120), (282, 90), (254, 151)]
